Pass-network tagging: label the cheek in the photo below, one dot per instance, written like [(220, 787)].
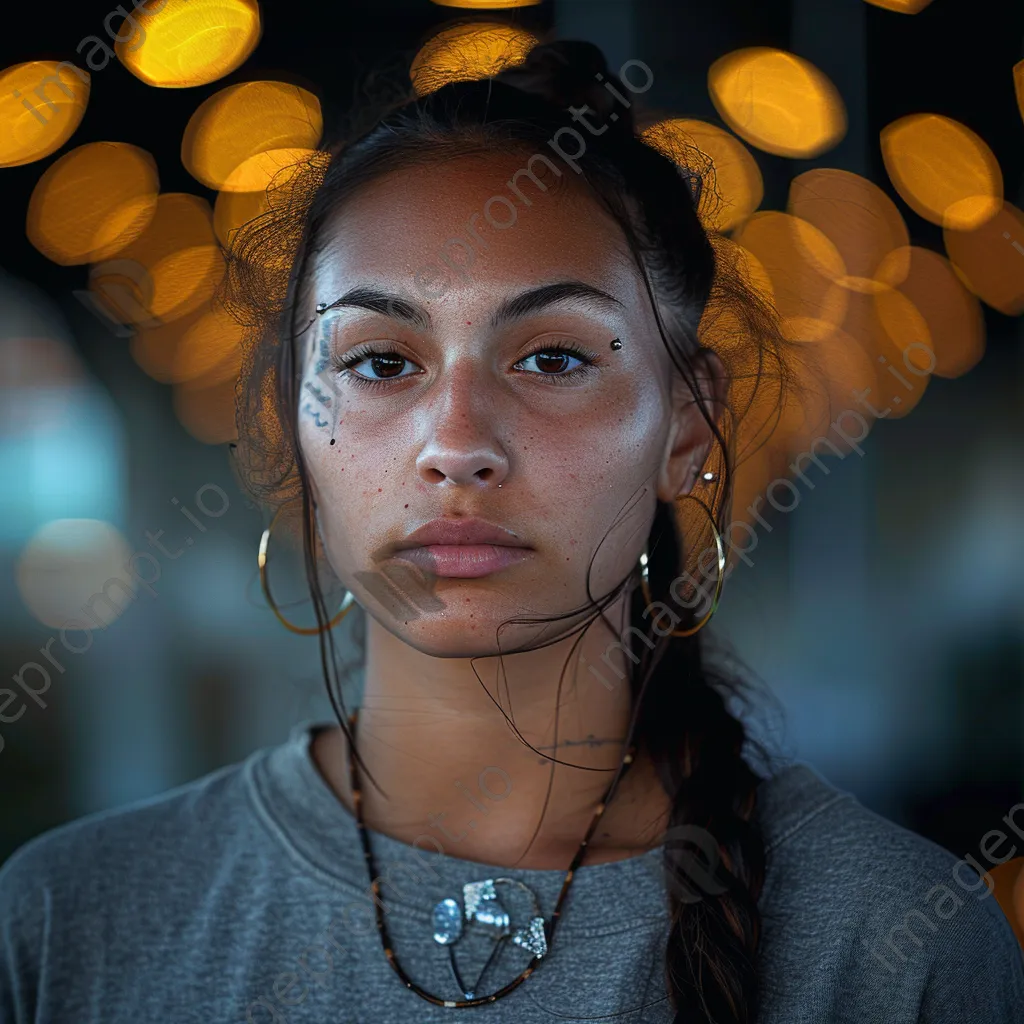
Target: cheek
[(617, 443), (330, 473), (361, 482), (591, 478)]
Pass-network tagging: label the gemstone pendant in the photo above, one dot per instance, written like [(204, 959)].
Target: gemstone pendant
[(533, 937), (447, 922), (483, 911)]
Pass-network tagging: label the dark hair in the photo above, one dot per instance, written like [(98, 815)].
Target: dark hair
[(659, 192)]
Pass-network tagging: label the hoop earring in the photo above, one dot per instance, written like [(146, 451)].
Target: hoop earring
[(645, 580), (261, 561)]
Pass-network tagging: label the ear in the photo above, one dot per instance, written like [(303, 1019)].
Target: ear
[(689, 440)]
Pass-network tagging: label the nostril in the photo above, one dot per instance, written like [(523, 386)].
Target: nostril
[(465, 468)]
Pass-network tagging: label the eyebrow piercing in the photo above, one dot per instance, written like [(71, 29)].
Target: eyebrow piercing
[(616, 345), (322, 307)]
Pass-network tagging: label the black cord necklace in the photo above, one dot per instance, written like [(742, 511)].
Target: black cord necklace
[(549, 926)]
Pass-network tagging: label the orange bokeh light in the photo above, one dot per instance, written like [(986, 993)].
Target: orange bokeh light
[(942, 170), (988, 261), (735, 175), (462, 52), (952, 315), (179, 255), (210, 350), (803, 266), (92, 202), (903, 366), (154, 347), (191, 44), (777, 101), (207, 412), (901, 6), (486, 5), (241, 136), (41, 106), (1007, 883), (860, 220)]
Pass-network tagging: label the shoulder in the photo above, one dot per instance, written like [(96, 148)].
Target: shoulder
[(871, 904), (821, 839), (144, 844), (112, 885)]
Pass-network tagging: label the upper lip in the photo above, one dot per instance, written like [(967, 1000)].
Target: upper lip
[(461, 531)]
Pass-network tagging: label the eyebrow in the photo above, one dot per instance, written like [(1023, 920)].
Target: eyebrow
[(536, 299), (525, 304)]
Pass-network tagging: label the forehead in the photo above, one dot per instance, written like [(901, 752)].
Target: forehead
[(460, 226)]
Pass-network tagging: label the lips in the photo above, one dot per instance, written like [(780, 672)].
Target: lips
[(461, 531), (462, 548)]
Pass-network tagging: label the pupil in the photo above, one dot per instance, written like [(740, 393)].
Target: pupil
[(380, 362), (560, 360)]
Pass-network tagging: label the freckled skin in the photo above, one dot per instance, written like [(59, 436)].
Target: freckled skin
[(574, 469), (469, 422)]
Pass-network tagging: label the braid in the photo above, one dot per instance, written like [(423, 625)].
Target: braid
[(696, 744)]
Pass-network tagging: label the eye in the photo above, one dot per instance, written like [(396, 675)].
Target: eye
[(379, 363), (556, 361)]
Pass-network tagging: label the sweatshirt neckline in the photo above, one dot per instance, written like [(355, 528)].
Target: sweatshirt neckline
[(298, 806)]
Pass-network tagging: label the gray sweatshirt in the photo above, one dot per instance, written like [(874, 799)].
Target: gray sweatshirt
[(243, 897)]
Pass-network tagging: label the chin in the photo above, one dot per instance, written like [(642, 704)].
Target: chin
[(454, 636), (468, 624)]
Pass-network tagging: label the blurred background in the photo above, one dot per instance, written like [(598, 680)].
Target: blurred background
[(885, 611)]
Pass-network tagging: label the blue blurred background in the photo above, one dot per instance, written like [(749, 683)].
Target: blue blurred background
[(886, 612)]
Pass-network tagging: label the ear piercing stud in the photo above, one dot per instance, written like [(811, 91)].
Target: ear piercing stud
[(616, 345)]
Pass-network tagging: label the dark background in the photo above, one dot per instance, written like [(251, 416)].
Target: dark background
[(887, 613)]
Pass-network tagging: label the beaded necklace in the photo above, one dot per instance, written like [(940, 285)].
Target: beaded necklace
[(549, 927)]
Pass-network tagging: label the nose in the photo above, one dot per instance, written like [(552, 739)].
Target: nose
[(461, 447), (450, 464)]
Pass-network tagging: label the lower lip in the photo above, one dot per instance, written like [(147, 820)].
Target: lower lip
[(463, 561)]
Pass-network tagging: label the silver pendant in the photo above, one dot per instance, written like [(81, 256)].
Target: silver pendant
[(482, 911)]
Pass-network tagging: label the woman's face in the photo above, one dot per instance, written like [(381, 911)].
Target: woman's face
[(482, 392)]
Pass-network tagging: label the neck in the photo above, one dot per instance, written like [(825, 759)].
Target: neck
[(448, 742)]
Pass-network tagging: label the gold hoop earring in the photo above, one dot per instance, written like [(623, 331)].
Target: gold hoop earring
[(261, 561), (645, 581)]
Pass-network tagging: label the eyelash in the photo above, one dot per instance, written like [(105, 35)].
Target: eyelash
[(361, 353)]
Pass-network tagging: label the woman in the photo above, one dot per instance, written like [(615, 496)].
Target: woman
[(476, 372)]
